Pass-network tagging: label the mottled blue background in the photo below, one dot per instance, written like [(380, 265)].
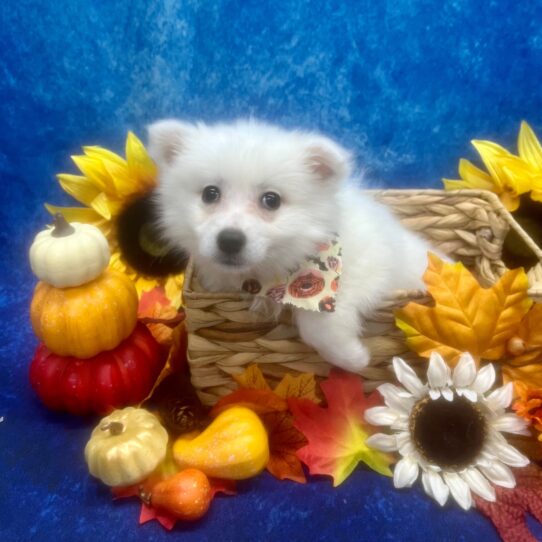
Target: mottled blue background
[(405, 84)]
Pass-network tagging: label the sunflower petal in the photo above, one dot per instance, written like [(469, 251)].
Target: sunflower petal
[(499, 474), (381, 415), (101, 205), (121, 183), (484, 379), (511, 423), (510, 201), (140, 165), (85, 215), (78, 187), (459, 489), (103, 154), (501, 397), (406, 375), (405, 472), (382, 442), (395, 398), (508, 454), (479, 484), (93, 170), (490, 153), (465, 371), (475, 177), (529, 147), (438, 373), (435, 487)]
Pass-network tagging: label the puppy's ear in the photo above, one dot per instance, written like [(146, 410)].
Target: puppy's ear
[(167, 139), (327, 160)]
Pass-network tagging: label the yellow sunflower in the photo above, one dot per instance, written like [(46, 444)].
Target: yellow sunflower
[(108, 183), (509, 176)]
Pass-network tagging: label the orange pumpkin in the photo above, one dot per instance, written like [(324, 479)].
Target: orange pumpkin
[(85, 320)]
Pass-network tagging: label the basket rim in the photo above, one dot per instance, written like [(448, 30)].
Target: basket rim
[(490, 197)]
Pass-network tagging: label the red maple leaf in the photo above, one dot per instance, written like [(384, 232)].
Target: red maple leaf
[(148, 513), (284, 441), (336, 434), (508, 513)]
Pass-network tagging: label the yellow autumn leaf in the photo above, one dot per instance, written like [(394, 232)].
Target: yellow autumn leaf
[(302, 386), (252, 379), (465, 316), (525, 351)]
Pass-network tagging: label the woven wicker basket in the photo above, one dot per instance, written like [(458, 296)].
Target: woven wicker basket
[(224, 337)]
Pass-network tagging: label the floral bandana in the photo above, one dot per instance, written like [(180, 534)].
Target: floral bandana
[(312, 285)]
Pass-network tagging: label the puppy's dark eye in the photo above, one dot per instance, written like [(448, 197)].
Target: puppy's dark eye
[(270, 200), (210, 194)]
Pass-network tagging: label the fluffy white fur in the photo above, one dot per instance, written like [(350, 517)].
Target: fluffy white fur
[(309, 172)]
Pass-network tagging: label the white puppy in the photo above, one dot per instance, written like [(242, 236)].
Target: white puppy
[(251, 201)]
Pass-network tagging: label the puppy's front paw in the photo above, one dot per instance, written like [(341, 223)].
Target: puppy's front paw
[(352, 358)]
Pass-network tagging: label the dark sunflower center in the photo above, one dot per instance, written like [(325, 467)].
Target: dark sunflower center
[(448, 433), (140, 242)]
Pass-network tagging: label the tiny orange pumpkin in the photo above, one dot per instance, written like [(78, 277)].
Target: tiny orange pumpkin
[(85, 320), (186, 495)]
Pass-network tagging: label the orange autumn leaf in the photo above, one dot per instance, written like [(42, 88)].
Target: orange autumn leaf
[(530, 374), (302, 386), (524, 363), (465, 316), (252, 378), (155, 310), (530, 335), (260, 401)]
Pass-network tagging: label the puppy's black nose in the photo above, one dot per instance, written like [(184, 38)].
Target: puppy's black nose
[(231, 241)]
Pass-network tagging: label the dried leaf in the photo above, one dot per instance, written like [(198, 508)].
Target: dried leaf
[(149, 300), (508, 513), (284, 441), (260, 401), (176, 360), (252, 379), (465, 317), (226, 487), (337, 434), (148, 513), (302, 386), (530, 332)]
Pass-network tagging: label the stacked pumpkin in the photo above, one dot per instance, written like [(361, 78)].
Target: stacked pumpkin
[(94, 356)]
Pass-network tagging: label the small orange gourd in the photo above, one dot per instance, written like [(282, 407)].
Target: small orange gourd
[(85, 320)]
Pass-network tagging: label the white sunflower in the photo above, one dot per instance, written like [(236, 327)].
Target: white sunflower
[(449, 429)]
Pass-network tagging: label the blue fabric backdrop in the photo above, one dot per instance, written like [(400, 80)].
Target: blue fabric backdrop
[(405, 84)]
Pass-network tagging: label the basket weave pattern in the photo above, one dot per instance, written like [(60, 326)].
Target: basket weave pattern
[(224, 337)]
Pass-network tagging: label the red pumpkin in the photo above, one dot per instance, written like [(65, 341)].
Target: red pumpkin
[(112, 379)]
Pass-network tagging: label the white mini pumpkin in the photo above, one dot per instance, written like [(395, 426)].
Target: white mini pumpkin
[(69, 254), (126, 447)]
